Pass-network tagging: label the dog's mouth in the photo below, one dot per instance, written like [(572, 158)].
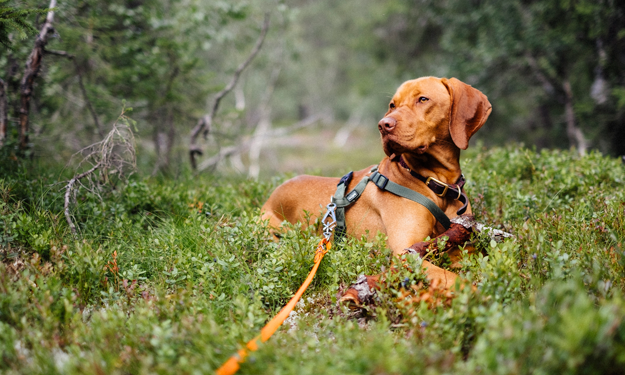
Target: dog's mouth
[(392, 146)]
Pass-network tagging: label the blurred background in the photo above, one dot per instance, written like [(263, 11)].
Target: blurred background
[(310, 99)]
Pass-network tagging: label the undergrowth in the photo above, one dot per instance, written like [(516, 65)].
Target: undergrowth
[(173, 276)]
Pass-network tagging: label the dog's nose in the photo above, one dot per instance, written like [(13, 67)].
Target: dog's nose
[(387, 124)]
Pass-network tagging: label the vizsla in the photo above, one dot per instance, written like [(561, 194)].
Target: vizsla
[(428, 122)]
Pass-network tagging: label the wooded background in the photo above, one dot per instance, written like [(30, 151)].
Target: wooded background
[(554, 71)]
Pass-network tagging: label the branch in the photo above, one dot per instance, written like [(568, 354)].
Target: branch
[(33, 66), (280, 132), (82, 88), (68, 190), (243, 146), (58, 53), (113, 156), (205, 123), (222, 154)]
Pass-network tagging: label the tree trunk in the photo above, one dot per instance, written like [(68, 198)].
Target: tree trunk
[(574, 133), (33, 66), (263, 127)]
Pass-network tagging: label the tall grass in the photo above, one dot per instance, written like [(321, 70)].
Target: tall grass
[(172, 276)]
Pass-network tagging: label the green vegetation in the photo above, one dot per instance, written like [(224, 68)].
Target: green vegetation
[(171, 273), (172, 276), (553, 70)]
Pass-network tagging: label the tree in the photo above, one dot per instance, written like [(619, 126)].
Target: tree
[(537, 60)]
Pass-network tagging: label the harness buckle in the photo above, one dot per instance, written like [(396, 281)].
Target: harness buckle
[(329, 220), (380, 180), (427, 182)]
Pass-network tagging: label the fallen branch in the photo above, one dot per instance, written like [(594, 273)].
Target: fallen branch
[(68, 191), (114, 155), (457, 235), (205, 123)]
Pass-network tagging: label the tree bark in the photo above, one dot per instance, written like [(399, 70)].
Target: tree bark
[(33, 67), (574, 133)]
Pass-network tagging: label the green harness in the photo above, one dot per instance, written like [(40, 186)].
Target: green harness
[(343, 200)]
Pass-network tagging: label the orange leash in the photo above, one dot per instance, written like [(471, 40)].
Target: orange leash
[(232, 364)]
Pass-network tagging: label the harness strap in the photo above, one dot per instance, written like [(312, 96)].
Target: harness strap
[(343, 200), (384, 183), (452, 191)]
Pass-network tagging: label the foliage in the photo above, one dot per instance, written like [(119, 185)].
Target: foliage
[(15, 20), (522, 54), (172, 276)]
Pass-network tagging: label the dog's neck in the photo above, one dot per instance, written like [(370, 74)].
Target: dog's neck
[(439, 161)]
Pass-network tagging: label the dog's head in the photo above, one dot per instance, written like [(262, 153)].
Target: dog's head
[(429, 111)]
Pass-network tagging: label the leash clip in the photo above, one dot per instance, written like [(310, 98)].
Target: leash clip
[(329, 221)]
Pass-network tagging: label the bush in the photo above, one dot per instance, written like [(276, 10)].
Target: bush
[(174, 276)]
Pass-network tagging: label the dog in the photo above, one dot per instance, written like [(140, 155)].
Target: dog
[(429, 120)]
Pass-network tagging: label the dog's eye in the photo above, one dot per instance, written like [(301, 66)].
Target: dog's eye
[(392, 105), (423, 99)]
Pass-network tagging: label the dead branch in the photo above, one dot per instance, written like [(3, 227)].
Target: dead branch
[(33, 67), (281, 132), (3, 112), (87, 101), (82, 88), (244, 146), (205, 123), (58, 53), (225, 152), (114, 157), (68, 191)]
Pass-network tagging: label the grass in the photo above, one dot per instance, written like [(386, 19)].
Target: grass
[(173, 276)]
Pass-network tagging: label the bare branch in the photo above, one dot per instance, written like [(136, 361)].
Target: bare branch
[(222, 154), (281, 132), (113, 156), (244, 146), (204, 124), (86, 98), (58, 53), (68, 191), (83, 90), (33, 66)]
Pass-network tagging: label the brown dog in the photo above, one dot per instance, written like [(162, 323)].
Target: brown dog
[(428, 121)]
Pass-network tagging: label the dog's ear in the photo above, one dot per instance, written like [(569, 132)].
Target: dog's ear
[(469, 111)]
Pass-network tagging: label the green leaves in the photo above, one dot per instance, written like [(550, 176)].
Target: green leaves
[(173, 276), (16, 20)]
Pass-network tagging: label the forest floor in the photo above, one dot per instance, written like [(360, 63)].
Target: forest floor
[(173, 276)]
